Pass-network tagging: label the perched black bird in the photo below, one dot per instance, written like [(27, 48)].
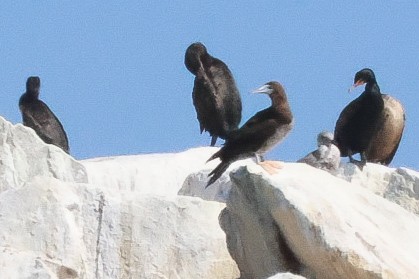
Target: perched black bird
[(215, 96), (37, 115), (359, 121), (259, 134)]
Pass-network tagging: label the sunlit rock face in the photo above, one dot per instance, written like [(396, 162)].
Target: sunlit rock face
[(314, 224), (150, 216), (23, 155), (118, 217)]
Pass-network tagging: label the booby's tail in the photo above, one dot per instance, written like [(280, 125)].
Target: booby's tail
[(218, 171)]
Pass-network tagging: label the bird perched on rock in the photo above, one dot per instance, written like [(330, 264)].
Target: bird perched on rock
[(259, 134), (358, 122), (371, 125), (215, 95), (327, 155), (37, 115)]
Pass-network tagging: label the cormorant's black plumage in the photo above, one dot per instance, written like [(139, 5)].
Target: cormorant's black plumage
[(259, 134), (215, 95), (37, 115), (359, 121)]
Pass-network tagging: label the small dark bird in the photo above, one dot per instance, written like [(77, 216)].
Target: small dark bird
[(359, 121), (37, 115), (259, 134), (215, 95), (327, 155), (389, 133)]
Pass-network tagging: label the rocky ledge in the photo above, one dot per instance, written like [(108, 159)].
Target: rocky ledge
[(150, 216)]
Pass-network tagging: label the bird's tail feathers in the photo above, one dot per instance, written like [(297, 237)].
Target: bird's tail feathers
[(217, 172)]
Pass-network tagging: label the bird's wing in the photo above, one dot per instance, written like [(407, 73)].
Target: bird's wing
[(255, 121), (204, 102), (46, 124), (250, 138), (346, 115), (227, 95), (311, 158)]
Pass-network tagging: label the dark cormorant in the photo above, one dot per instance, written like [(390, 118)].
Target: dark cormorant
[(215, 96), (359, 121), (37, 115)]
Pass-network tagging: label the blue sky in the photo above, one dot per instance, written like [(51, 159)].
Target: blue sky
[(114, 74)]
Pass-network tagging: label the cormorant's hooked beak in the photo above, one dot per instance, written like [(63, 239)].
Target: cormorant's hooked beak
[(266, 89), (357, 83)]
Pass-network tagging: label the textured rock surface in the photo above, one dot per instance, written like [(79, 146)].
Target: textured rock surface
[(165, 172), (95, 234), (286, 276), (23, 155), (127, 222), (316, 225), (134, 217), (399, 185), (194, 185)]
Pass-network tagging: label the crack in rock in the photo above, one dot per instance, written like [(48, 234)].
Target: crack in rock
[(99, 230)]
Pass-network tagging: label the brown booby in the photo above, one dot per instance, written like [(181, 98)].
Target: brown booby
[(259, 134), (358, 122), (215, 95), (327, 155), (37, 115)]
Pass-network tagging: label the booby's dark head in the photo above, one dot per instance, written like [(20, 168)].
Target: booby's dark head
[(275, 91), (271, 88), (324, 138), (196, 57), (32, 86)]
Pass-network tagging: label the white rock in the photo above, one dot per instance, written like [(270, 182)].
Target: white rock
[(18, 264), (316, 225), (286, 276), (90, 233), (194, 185), (398, 185), (127, 223), (161, 174), (23, 155)]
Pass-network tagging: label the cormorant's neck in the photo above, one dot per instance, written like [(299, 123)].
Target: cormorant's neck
[(372, 86), (32, 94)]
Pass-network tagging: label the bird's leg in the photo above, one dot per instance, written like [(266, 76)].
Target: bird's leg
[(213, 140), (359, 164), (271, 167), (259, 158), (351, 159), (363, 161)]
